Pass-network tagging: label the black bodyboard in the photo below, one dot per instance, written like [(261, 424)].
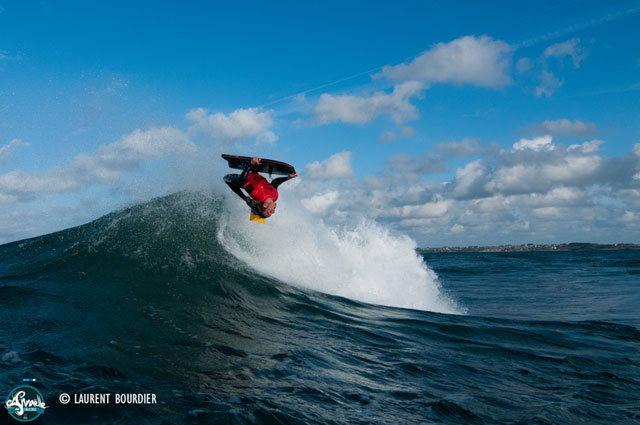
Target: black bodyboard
[(268, 166)]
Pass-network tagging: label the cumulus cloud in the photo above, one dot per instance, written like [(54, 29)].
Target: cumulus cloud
[(538, 166), (390, 136), (426, 163), (22, 186), (587, 147), (564, 127), (337, 166), (427, 210), (541, 191), (464, 148), (568, 48), (630, 217), (536, 144), (457, 228), (407, 131), (549, 83), (469, 181), (105, 165), (320, 204), (565, 170), (364, 109), (479, 61), (557, 197), (239, 124)]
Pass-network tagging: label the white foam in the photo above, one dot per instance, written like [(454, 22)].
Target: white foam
[(365, 262)]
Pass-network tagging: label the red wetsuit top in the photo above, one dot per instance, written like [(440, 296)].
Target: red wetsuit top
[(259, 188)]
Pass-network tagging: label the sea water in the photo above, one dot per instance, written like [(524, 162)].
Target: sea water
[(181, 302)]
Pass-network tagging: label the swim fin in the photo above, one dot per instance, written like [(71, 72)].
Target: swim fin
[(256, 217)]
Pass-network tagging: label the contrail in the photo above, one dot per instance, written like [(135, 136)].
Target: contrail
[(527, 43), (578, 27)]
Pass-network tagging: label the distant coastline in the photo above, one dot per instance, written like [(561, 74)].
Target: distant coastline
[(530, 247)]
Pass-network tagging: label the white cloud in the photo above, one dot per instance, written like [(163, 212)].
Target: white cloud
[(6, 151), (535, 144), (407, 131), (141, 145), (630, 217), (426, 210), (564, 127), (480, 61), (16, 185), (457, 228), (464, 148), (388, 137), (587, 147), (523, 65), (337, 166), (559, 196), (568, 48), (109, 161), (320, 204), (106, 165), (470, 180), (573, 169), (547, 212), (548, 84), (411, 167), (240, 124), (364, 109), (517, 196), (543, 173)]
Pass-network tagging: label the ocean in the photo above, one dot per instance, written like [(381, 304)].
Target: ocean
[(224, 321)]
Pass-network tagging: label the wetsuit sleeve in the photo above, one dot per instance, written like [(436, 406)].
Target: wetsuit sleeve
[(277, 182), (236, 189), (237, 181), (245, 172), (233, 181)]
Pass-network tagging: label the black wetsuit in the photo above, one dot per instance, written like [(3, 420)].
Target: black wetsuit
[(236, 181)]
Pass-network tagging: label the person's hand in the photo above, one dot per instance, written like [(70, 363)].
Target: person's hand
[(255, 161), (292, 176)]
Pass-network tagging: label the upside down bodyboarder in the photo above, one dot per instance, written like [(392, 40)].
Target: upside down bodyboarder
[(262, 194)]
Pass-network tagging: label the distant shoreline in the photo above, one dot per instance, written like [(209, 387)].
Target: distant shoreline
[(574, 246)]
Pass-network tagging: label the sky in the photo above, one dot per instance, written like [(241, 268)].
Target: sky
[(465, 123)]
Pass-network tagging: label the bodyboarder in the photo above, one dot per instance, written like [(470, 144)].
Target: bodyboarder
[(262, 193)]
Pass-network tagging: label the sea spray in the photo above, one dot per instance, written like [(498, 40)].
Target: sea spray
[(364, 262)]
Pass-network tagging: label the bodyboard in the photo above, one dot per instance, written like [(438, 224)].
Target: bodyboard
[(268, 166)]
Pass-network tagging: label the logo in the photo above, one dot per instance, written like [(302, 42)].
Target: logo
[(25, 403)]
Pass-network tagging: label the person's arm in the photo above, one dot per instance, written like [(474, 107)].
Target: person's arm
[(236, 189), (242, 179), (255, 161), (237, 181), (233, 185), (277, 182)]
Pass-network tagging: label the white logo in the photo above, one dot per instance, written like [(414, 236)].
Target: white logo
[(25, 403)]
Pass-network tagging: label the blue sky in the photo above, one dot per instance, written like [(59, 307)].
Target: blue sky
[(459, 124)]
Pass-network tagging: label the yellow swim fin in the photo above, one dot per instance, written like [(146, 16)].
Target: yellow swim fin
[(256, 217)]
